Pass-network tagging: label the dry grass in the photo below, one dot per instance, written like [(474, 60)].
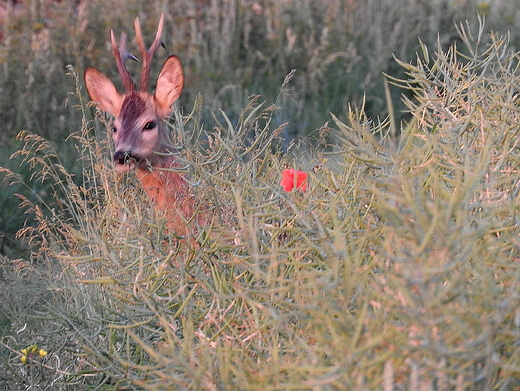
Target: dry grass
[(230, 50), (397, 269)]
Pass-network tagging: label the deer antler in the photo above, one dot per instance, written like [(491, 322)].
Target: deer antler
[(126, 78), (147, 55)]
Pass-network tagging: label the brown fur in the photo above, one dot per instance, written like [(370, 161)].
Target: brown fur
[(170, 194)]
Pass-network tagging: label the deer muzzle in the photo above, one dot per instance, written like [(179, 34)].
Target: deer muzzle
[(125, 158)]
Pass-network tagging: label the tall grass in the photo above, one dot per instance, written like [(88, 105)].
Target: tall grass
[(230, 49), (396, 269)]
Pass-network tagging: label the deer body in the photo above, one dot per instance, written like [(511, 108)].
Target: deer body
[(170, 194), (140, 134)]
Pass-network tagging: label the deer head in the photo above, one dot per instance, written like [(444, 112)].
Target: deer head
[(140, 134)]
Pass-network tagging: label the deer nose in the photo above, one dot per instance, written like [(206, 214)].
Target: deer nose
[(121, 157)]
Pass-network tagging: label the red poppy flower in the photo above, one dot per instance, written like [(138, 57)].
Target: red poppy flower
[(294, 179)]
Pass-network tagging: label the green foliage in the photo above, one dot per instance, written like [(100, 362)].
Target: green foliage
[(339, 50), (396, 269), (230, 49)]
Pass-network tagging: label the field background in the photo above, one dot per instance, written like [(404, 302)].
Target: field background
[(396, 270)]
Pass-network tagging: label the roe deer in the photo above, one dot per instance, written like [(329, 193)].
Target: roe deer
[(140, 134)]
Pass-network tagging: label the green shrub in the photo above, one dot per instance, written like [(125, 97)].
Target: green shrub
[(230, 50), (396, 269)]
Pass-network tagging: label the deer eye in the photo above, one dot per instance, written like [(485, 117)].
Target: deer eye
[(114, 130), (150, 125)]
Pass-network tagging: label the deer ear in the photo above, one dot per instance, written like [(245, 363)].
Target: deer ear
[(103, 92), (169, 84)]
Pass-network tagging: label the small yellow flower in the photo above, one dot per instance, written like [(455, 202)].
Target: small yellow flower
[(25, 353), (31, 352)]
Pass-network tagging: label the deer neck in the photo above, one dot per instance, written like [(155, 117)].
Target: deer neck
[(169, 192), (161, 182)]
